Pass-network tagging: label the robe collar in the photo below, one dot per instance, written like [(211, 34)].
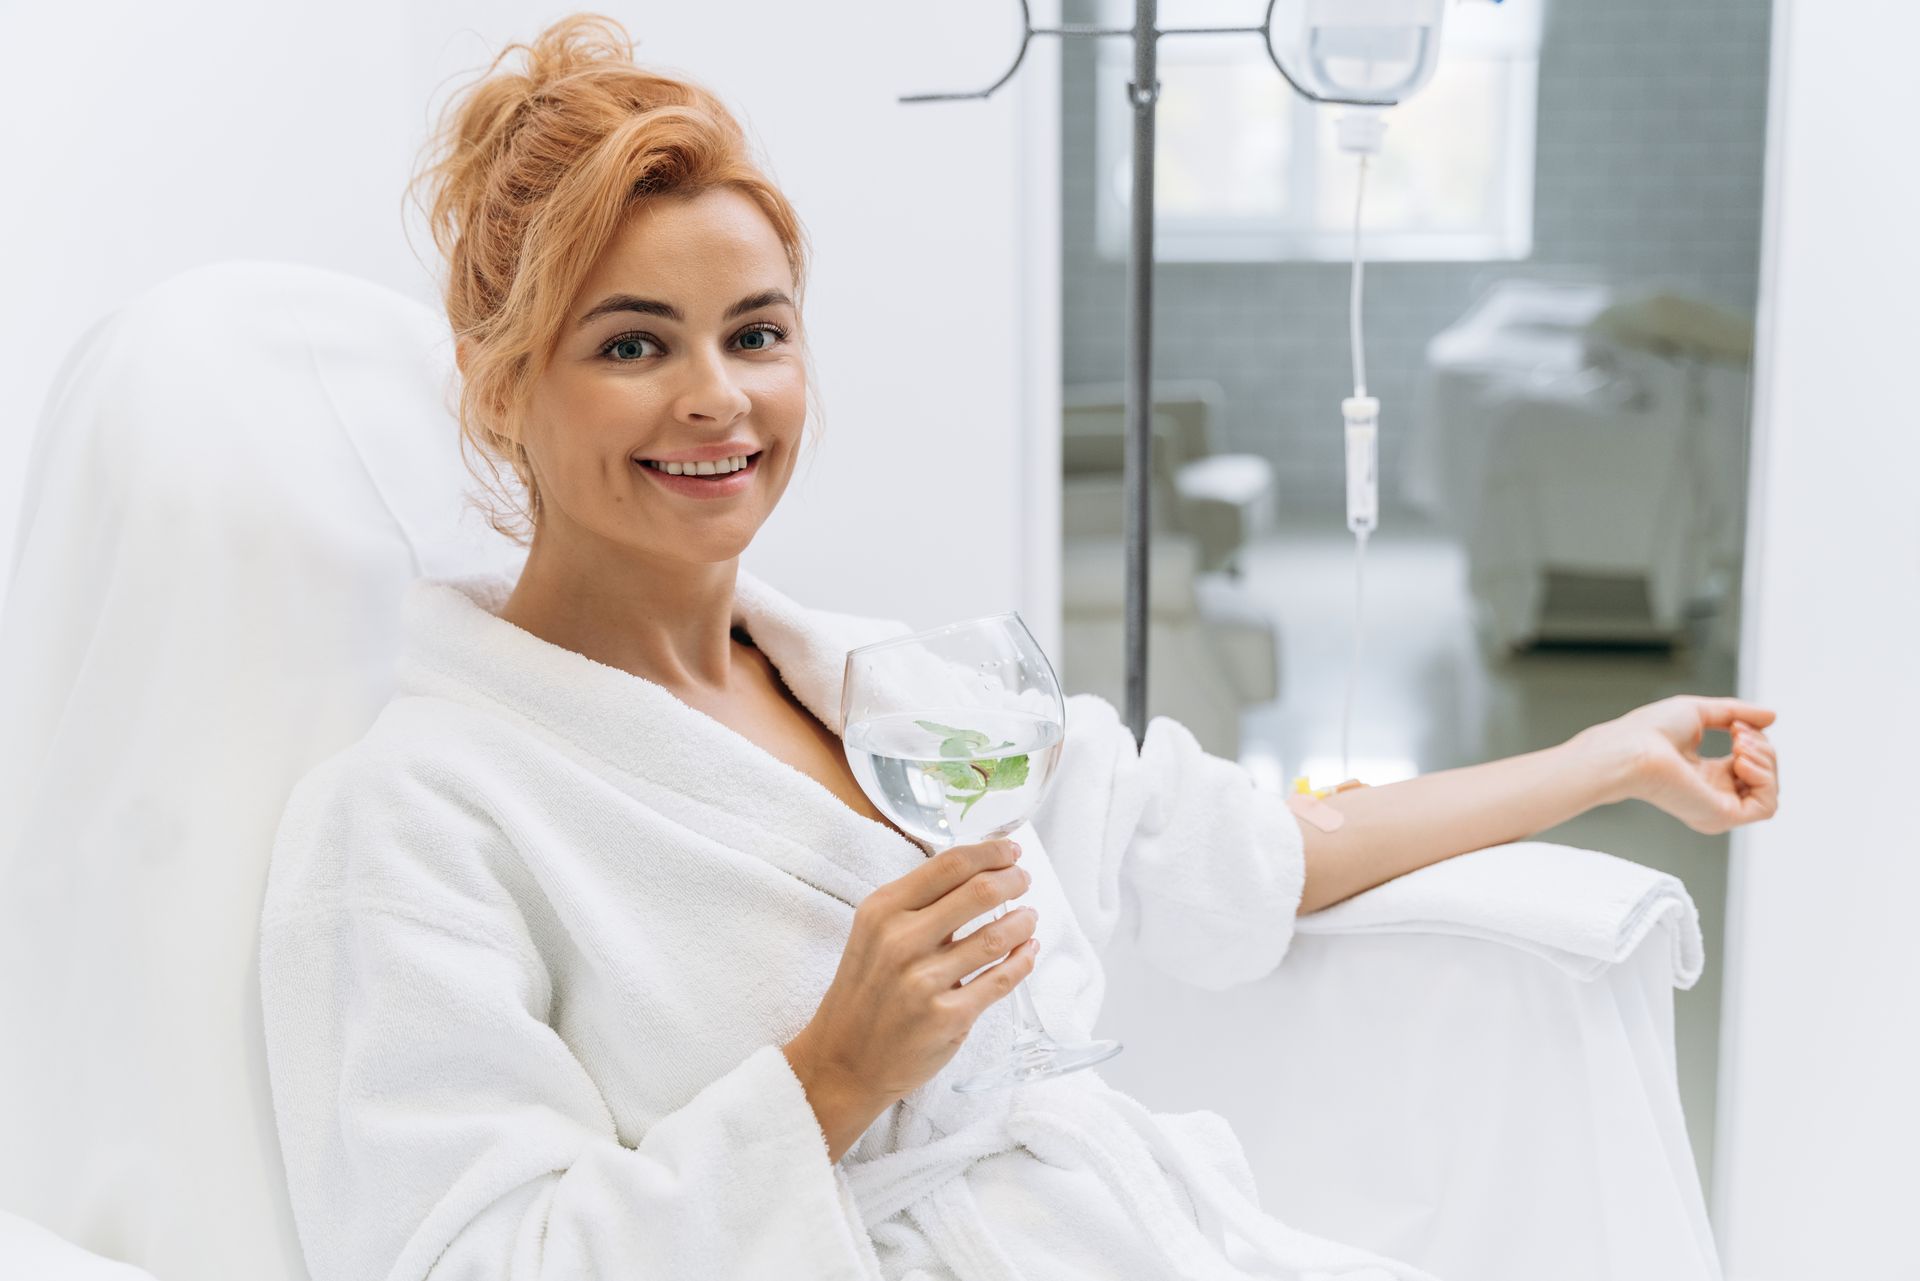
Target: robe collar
[(457, 646)]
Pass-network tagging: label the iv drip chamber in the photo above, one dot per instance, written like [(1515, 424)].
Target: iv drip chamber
[(1363, 463)]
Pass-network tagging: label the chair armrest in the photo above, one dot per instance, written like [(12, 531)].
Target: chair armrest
[(1583, 910), (1451, 1102)]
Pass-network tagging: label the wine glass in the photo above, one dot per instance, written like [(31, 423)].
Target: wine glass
[(954, 733)]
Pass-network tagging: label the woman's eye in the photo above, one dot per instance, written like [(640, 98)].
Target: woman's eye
[(761, 337), (628, 348)]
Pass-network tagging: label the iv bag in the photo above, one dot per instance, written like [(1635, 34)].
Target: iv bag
[(1372, 51)]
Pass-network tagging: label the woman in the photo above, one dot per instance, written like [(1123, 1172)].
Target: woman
[(591, 958)]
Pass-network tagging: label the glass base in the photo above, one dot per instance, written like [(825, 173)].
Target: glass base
[(1037, 1060)]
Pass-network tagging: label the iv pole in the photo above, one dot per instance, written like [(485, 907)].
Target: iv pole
[(1143, 93)]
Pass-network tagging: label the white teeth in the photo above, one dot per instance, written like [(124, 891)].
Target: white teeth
[(711, 468)]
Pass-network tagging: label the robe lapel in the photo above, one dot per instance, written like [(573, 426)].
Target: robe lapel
[(457, 646)]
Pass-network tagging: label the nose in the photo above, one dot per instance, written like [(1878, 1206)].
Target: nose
[(708, 394)]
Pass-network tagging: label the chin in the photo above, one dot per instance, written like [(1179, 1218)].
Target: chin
[(711, 548)]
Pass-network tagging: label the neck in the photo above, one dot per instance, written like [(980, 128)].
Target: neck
[(666, 621)]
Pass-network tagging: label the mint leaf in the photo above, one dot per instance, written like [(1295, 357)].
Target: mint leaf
[(1009, 772), (966, 774), (959, 778), (972, 737), (956, 742)]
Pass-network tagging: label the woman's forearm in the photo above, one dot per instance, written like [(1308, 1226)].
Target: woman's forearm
[(1390, 830)]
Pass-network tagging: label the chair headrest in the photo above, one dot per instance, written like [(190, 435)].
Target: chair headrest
[(234, 480)]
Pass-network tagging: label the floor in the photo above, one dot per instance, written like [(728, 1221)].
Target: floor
[(1431, 697)]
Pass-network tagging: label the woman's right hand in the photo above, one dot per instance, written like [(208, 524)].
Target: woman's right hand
[(896, 1010)]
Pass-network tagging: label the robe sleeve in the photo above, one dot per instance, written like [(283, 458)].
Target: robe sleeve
[(433, 1123), (1172, 849)]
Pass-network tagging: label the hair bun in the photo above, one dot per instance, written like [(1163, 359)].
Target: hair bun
[(576, 43)]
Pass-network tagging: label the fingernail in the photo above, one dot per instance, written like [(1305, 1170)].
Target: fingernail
[(1016, 849)]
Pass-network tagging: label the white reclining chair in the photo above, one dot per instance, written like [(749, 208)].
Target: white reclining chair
[(236, 476)]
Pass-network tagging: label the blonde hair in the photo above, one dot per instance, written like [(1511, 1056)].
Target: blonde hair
[(530, 174)]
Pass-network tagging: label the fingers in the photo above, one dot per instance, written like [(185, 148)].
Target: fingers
[(1753, 745), (984, 946), (1756, 770), (976, 896), (988, 987), (1722, 713), (1762, 796), (1752, 772), (1752, 742), (940, 875)]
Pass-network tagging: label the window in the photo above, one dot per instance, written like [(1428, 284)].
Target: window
[(1247, 170)]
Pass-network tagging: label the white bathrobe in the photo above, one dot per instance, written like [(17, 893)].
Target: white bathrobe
[(530, 948)]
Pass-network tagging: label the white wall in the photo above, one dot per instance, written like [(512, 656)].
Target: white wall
[(1820, 1085), (144, 139)]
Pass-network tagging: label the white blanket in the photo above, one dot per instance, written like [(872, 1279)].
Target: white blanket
[(530, 947)]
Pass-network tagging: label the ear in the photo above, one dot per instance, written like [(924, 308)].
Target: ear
[(462, 350)]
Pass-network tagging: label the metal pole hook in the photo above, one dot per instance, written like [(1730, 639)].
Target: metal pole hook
[(1026, 38)]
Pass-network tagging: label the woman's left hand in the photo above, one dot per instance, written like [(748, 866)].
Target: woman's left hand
[(1659, 747)]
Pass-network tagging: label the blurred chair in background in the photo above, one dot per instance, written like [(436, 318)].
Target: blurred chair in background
[(1587, 446), (1212, 647)]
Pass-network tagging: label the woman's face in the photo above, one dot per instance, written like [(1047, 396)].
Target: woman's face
[(683, 346)]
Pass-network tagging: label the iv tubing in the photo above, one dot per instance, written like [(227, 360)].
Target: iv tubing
[(1353, 668), (1358, 340), (1359, 268)]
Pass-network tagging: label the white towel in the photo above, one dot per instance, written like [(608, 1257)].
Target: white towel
[(1580, 909)]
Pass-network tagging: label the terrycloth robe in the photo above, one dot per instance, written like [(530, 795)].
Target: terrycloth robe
[(530, 947)]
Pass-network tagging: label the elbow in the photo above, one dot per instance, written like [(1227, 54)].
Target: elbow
[(1323, 884)]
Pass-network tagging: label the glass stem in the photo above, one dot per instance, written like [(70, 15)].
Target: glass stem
[(1028, 1032)]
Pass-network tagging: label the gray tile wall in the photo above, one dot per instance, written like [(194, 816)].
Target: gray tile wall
[(1650, 137)]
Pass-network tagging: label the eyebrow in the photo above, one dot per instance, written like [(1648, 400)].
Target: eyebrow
[(666, 310)]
